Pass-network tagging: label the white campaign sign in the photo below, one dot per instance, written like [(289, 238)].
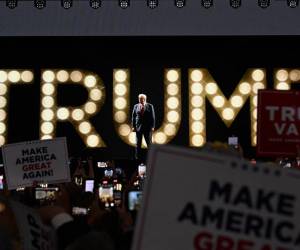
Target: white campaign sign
[(202, 201), (36, 161), (35, 235)]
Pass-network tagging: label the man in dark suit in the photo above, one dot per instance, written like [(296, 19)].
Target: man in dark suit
[(143, 123)]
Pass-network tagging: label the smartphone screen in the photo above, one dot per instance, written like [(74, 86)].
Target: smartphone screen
[(89, 186), (101, 164), (134, 200), (106, 194), (1, 182), (79, 211), (142, 170), (233, 140), (45, 194)]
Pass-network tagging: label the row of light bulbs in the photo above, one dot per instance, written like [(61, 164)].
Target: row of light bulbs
[(152, 4), (201, 86)]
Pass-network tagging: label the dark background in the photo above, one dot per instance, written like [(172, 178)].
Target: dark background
[(226, 58)]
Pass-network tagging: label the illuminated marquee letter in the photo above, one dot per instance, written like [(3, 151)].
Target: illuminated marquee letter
[(172, 107), (285, 77), (8, 77), (78, 116), (202, 85)]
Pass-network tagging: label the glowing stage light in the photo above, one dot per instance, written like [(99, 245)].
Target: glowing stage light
[(236, 101), (77, 114), (120, 75), (90, 107), (26, 76), (228, 114), (85, 127), (96, 94), (3, 76), (48, 76), (48, 89), (172, 75), (282, 86), (282, 75), (93, 140), (76, 76), (14, 76), (90, 81), (218, 101), (62, 76)]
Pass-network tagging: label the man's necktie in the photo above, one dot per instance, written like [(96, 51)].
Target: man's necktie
[(142, 109)]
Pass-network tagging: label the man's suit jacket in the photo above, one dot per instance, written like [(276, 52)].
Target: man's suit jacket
[(143, 121)]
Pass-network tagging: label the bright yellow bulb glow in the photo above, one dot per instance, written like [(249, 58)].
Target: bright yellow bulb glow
[(47, 115), (132, 138), (2, 140), (255, 126), (172, 116), (254, 140), (257, 86), (245, 88), (14, 76), (172, 75), (172, 103), (3, 89), (2, 127), (90, 107), (236, 101), (197, 127), (62, 113), (77, 114), (120, 89), (47, 127), (197, 114), (85, 127), (95, 94), (295, 75), (47, 101), (120, 116), (27, 76), (92, 141), (282, 86), (90, 81), (3, 102), (218, 101), (76, 76), (62, 76), (228, 114), (197, 88), (3, 76), (254, 101), (258, 75), (196, 75), (124, 130), (197, 101), (48, 89), (2, 115), (172, 89), (211, 88), (120, 103), (170, 129), (254, 113), (120, 75), (48, 76), (46, 137), (160, 138), (282, 75), (197, 140)]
